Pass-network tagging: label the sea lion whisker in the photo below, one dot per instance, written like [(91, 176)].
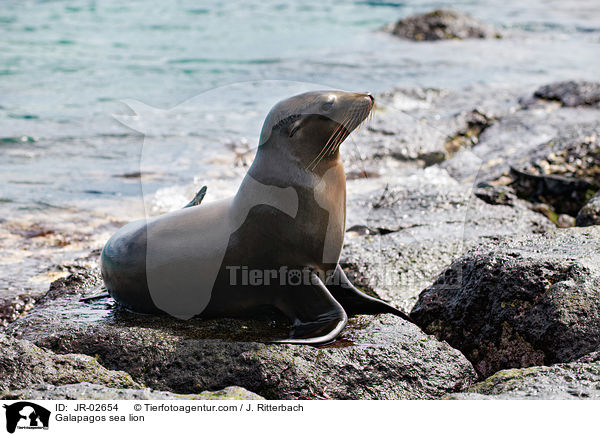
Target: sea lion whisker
[(339, 132), (349, 129), (323, 151), (342, 133), (346, 128), (339, 140), (316, 159), (335, 134), (326, 145)]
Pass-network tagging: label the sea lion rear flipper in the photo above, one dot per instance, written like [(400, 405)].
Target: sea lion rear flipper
[(318, 317), (197, 198), (355, 301)]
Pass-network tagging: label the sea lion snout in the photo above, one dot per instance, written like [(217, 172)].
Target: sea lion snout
[(287, 116), (310, 127)]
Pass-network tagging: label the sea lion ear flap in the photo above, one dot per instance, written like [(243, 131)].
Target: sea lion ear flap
[(295, 126)]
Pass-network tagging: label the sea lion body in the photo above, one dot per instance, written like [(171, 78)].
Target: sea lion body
[(287, 218)]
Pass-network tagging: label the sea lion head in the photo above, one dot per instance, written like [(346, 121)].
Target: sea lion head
[(311, 126)]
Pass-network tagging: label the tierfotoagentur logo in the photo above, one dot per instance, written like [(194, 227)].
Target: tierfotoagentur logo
[(284, 276), (25, 415)]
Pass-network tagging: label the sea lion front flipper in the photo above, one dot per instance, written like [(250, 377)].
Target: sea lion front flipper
[(97, 293), (355, 301), (318, 317), (197, 198)]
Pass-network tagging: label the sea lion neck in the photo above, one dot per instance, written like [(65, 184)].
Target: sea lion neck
[(276, 165)]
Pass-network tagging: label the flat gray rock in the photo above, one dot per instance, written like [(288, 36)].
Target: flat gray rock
[(548, 138), (520, 301), (579, 380), (377, 357), (23, 364)]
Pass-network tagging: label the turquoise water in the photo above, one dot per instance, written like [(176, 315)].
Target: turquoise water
[(65, 66)]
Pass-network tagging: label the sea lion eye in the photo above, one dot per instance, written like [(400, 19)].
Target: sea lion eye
[(326, 107)]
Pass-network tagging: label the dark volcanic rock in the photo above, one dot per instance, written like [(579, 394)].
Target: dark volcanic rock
[(89, 391), (376, 357), (571, 93), (496, 194), (80, 280), (589, 215), (23, 364), (442, 24), (565, 195), (566, 381), (529, 300)]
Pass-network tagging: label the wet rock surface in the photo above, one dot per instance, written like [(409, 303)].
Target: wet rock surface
[(377, 357), (568, 381), (442, 24), (89, 391), (520, 301)]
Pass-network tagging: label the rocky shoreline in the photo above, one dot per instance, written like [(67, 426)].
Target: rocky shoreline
[(482, 222)]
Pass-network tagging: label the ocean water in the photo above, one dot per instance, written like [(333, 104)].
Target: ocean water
[(212, 69)]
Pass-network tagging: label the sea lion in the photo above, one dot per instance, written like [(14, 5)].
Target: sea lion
[(276, 243)]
